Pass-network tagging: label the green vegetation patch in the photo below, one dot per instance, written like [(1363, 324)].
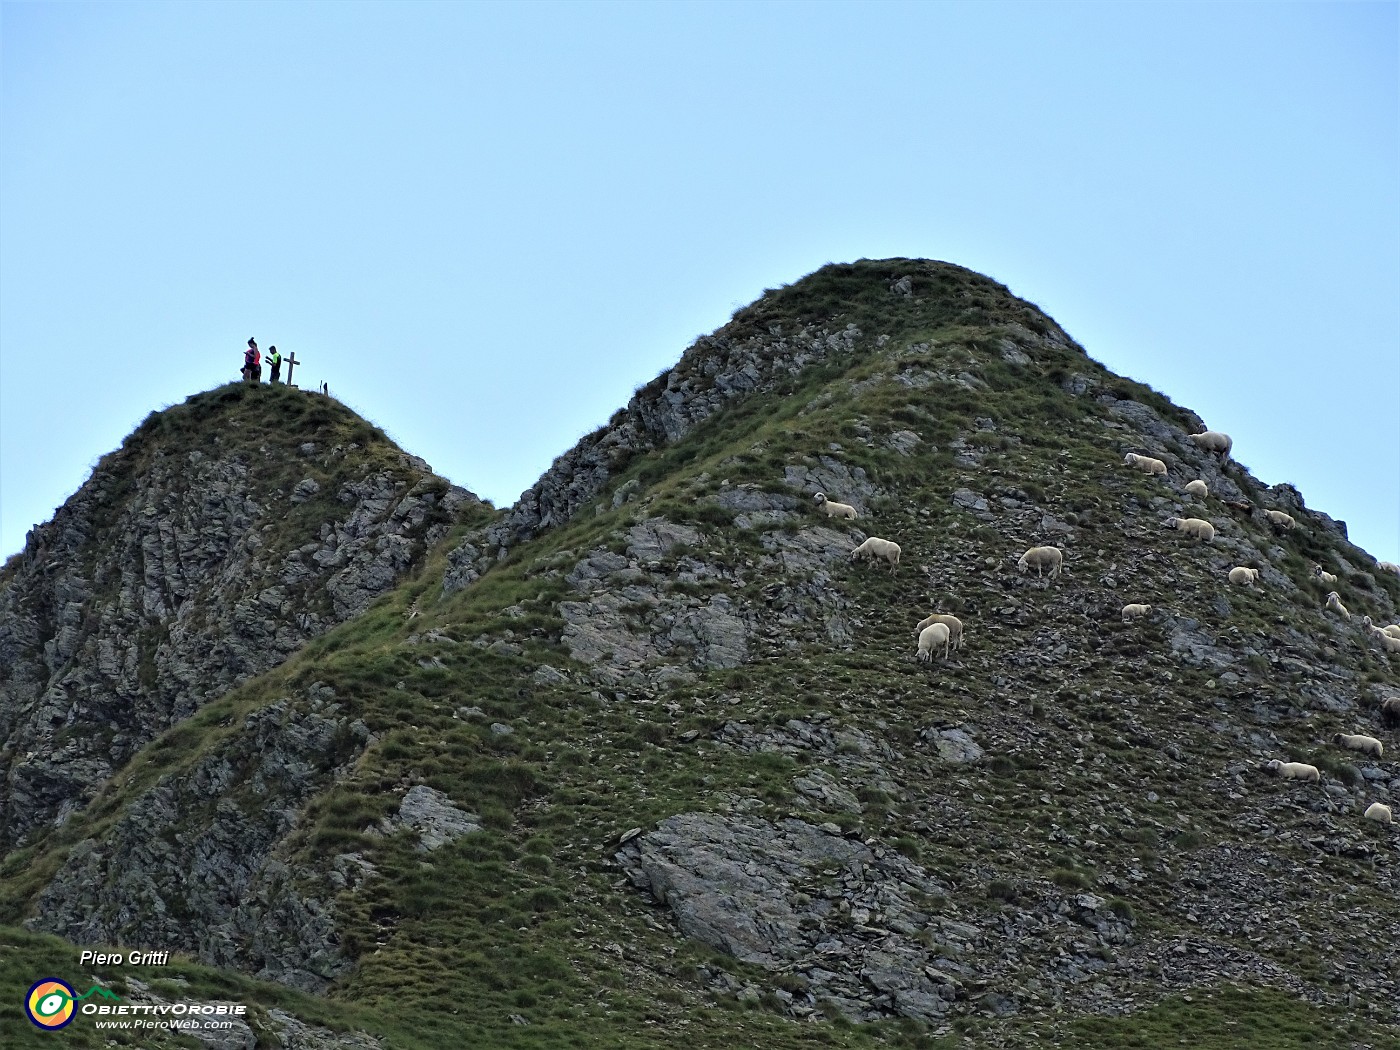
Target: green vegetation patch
[(1228, 1018)]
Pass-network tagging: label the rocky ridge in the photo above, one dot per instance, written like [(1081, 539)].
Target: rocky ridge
[(763, 352), (177, 572), (713, 373)]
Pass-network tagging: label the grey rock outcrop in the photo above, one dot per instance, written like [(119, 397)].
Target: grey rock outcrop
[(856, 925), (432, 815), (193, 864), (297, 1035), (757, 509), (801, 898), (636, 615)]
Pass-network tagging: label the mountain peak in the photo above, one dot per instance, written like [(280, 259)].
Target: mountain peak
[(223, 534), (811, 331)]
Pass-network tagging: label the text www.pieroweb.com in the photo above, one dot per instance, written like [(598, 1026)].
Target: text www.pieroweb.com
[(205, 1017)]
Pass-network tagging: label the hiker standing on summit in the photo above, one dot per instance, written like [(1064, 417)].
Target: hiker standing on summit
[(252, 362), (275, 360)]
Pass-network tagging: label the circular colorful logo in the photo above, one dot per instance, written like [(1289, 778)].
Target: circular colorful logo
[(49, 1003)]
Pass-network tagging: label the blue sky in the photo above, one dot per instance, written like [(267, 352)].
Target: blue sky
[(486, 224)]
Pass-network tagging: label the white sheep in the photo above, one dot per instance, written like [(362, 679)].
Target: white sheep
[(1146, 464), (954, 625), (1213, 441), (1198, 488), (1241, 575), (832, 509), (1135, 611), (1322, 574), (1379, 812), (1360, 742), (1388, 566), (1334, 602), (1294, 770), (933, 634), (875, 547), (1280, 518), (1390, 630), (1041, 558), (1389, 642), (1197, 528)]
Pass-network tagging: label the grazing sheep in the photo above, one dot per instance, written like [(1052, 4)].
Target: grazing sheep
[(1241, 575), (1322, 574), (1197, 528), (1146, 464), (1294, 770), (1359, 742), (954, 625), (1135, 611), (1391, 630), (1213, 441), (933, 634), (1379, 812), (1279, 518), (1041, 558), (832, 509), (1388, 566), (875, 547), (1334, 602), (1198, 488), (1389, 642)]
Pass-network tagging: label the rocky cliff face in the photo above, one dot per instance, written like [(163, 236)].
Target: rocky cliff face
[(223, 535), (657, 732), (221, 868)]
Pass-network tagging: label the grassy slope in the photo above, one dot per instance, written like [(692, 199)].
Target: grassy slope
[(530, 919)]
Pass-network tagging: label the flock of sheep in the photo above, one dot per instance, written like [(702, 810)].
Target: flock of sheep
[(946, 631)]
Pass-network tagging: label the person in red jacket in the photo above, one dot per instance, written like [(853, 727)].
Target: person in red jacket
[(252, 362)]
